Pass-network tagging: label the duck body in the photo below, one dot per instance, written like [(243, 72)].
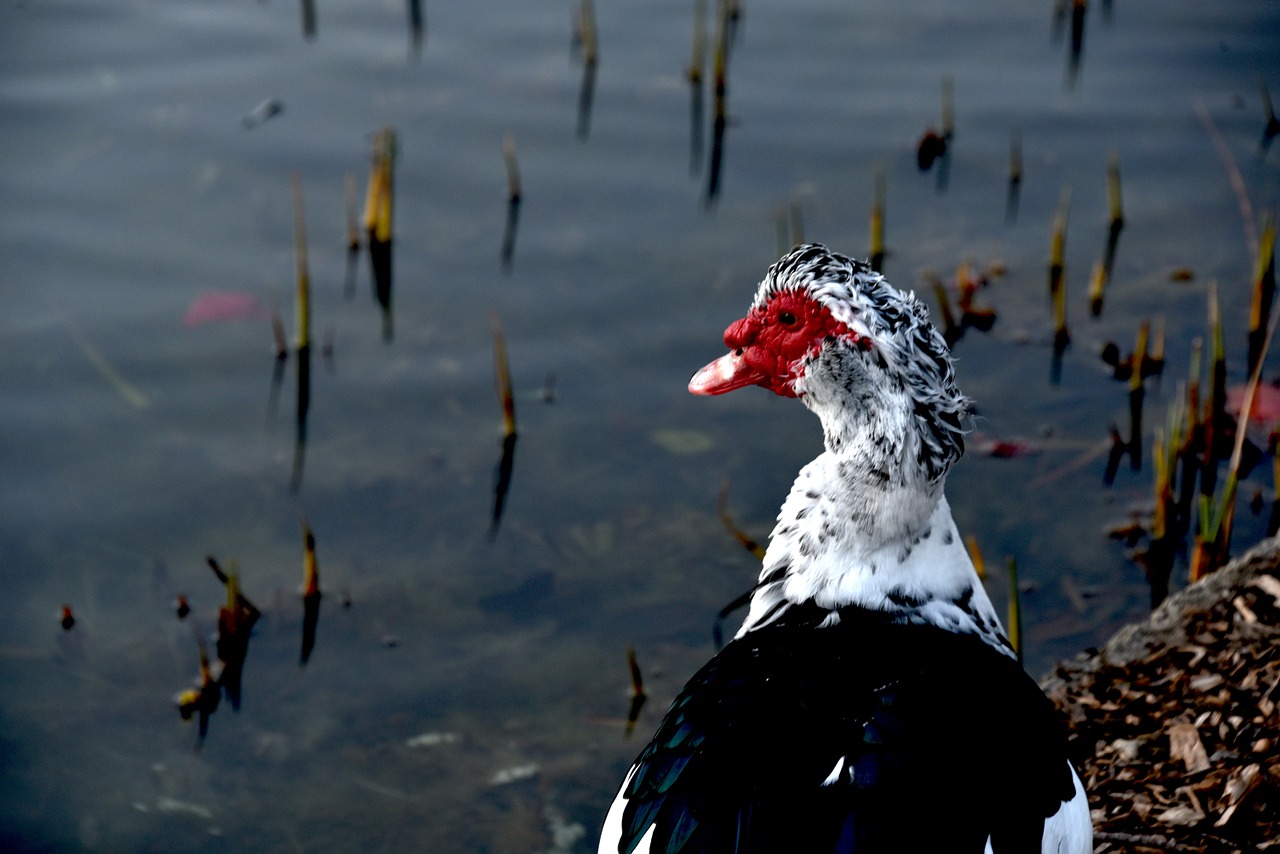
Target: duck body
[(871, 701), (865, 735)]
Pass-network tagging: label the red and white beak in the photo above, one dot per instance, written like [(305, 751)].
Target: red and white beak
[(728, 372)]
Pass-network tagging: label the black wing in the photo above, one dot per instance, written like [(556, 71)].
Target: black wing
[(865, 736)]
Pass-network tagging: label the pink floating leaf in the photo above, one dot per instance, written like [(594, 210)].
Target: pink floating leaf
[(1002, 449), (1266, 406), (224, 306)]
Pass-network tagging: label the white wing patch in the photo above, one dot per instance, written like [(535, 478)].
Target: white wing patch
[(1070, 829), (611, 833), (834, 776)]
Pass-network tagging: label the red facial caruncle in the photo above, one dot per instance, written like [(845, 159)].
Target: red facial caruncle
[(768, 346)]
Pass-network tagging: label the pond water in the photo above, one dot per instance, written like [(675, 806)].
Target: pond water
[(472, 695)]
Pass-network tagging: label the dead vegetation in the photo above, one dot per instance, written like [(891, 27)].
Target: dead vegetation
[(1174, 723)]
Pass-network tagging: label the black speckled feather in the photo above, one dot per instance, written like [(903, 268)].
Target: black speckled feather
[(927, 740)]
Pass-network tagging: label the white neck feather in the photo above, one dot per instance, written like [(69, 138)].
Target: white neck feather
[(881, 546)]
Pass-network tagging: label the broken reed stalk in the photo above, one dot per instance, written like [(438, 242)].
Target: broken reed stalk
[(1264, 288), (633, 667), (638, 696), (1102, 271), (1159, 460), (950, 330), (513, 168), (1137, 393), (722, 510), (1192, 439), (720, 56), (1153, 366), (1115, 204), (698, 56), (502, 476), (514, 196), (1223, 516), (1061, 332), (1015, 157), (300, 264), (1217, 515), (975, 555), (1058, 244), (966, 287), (720, 61), (1273, 523), (303, 342), (782, 230), (1272, 127), (502, 377), (378, 203), (310, 593), (1015, 609), (1233, 176), (1015, 177), (1115, 454), (127, 390), (1097, 288), (1166, 456), (351, 192), (1058, 284), (225, 578), (1215, 412), (278, 335), (797, 224), (310, 567), (587, 30), (877, 221), (948, 117), (378, 220), (1158, 559)]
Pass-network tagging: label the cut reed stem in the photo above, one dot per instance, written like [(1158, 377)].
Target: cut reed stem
[(877, 221)]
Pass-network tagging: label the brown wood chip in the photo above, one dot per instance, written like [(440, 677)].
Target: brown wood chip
[(1245, 612), (1185, 746), (1157, 781), (1268, 584)]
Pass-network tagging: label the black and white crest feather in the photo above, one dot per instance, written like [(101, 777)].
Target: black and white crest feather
[(905, 344)]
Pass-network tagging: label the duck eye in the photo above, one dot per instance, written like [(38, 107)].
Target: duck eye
[(786, 318)]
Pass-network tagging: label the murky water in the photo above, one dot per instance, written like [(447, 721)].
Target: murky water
[(472, 696)]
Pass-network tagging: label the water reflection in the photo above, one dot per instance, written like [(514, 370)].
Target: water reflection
[(1078, 10), (308, 19), (417, 27), (135, 187), (694, 74), (267, 109)]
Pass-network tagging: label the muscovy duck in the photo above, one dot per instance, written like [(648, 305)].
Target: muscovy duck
[(871, 700)]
